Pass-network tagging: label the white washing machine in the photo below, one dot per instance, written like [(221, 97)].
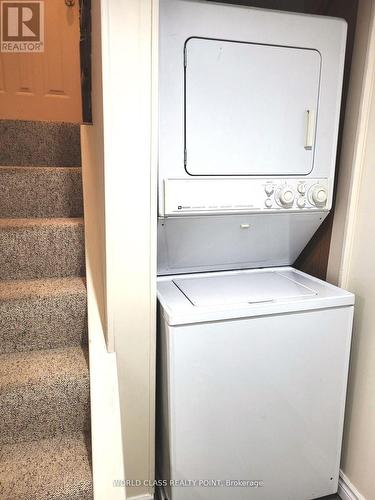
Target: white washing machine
[(253, 370), (253, 355)]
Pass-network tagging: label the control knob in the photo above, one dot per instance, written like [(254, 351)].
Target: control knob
[(301, 203), (268, 203), (285, 196), (318, 195)]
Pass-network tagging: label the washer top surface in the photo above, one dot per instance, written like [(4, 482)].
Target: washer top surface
[(247, 288), (223, 295)]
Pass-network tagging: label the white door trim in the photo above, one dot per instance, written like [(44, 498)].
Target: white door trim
[(359, 156)]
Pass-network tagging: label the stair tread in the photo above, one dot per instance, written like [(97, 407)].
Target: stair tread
[(58, 468), (45, 287), (40, 222), (42, 367)]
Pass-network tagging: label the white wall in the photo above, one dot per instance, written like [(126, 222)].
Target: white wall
[(119, 166), (120, 211), (354, 138), (352, 262), (106, 432), (130, 206)]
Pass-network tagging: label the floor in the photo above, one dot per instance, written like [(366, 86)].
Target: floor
[(331, 497)]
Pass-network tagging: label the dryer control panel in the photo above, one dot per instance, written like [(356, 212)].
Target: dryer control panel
[(239, 195)]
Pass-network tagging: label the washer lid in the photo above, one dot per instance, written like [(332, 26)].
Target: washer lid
[(241, 288)]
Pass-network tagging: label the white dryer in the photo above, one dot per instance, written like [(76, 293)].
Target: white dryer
[(249, 105), (249, 108), (253, 371)]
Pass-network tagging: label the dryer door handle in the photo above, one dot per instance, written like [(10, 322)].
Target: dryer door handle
[(310, 129)]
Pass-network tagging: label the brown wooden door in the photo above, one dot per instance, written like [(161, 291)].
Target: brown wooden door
[(45, 85)]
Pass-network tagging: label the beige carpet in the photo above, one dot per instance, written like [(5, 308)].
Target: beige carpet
[(44, 372)]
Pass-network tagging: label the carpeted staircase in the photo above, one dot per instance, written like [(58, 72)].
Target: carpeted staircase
[(44, 377)]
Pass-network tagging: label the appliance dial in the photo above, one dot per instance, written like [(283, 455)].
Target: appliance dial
[(268, 203), (318, 195), (285, 196), (268, 189), (301, 202), (301, 188)]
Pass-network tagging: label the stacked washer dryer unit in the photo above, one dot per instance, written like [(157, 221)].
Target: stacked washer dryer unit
[(253, 355)]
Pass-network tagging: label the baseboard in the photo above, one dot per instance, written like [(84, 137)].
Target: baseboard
[(141, 497), (346, 490)]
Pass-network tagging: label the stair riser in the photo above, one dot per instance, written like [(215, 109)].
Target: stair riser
[(38, 192), (39, 143), (41, 251), (43, 323), (42, 411)]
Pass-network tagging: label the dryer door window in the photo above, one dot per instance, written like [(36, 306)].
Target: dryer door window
[(250, 109)]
